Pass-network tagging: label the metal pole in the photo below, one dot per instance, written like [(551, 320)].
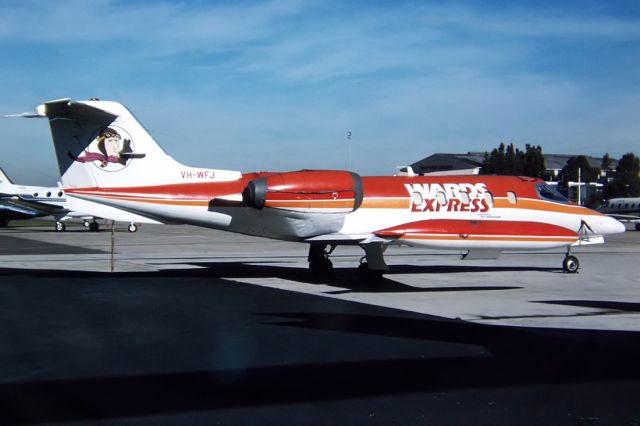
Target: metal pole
[(579, 187), (113, 244), (349, 147)]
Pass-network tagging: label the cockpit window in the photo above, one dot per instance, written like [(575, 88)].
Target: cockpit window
[(548, 192)]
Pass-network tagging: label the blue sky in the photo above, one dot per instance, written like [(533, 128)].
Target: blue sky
[(276, 85)]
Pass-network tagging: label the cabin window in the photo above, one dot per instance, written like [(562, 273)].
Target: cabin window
[(417, 199), (464, 197), (511, 196), (60, 194), (488, 197), (550, 193), (441, 198), (35, 194), (48, 194)]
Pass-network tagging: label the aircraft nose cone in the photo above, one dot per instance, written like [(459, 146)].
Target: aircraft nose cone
[(618, 226), (606, 225)]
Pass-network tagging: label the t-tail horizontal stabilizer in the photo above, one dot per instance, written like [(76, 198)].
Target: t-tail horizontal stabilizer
[(101, 144)]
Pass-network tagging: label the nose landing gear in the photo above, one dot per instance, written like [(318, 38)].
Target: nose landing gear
[(570, 264)]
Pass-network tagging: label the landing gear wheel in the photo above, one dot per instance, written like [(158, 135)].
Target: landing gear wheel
[(86, 223), (570, 264), (94, 227), (637, 226), (132, 227), (60, 227), (318, 258), (4, 223), (321, 266)]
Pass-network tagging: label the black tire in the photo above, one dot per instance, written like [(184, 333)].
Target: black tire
[(4, 223), (94, 227), (132, 227), (60, 227), (321, 266), (570, 264)]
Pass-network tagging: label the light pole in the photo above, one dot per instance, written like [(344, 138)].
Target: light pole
[(349, 147)]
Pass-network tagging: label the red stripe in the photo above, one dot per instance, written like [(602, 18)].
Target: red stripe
[(476, 227)]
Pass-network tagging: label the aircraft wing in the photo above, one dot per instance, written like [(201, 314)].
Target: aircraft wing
[(339, 238), (9, 207), (19, 204)]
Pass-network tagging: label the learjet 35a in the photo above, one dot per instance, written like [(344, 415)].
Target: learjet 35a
[(106, 156)]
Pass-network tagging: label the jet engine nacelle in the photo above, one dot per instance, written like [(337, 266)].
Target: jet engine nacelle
[(306, 191)]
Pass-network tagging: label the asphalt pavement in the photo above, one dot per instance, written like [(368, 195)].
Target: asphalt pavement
[(200, 327)]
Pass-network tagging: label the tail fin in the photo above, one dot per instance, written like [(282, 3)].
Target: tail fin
[(101, 144), (5, 182)]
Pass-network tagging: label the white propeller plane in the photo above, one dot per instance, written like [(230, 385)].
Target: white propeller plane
[(106, 156)]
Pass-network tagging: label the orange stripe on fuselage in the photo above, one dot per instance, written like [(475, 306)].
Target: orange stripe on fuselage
[(315, 204), (386, 203)]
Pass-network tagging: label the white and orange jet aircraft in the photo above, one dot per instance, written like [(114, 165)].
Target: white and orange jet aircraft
[(106, 156)]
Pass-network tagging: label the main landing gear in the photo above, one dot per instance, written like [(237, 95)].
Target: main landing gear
[(372, 265), (60, 227), (318, 258), (92, 226), (570, 263), (95, 227)]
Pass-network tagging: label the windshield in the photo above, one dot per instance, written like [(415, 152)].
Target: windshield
[(550, 193)]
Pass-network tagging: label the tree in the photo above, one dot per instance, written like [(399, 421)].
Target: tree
[(494, 162), (626, 182), (511, 161), (570, 171), (534, 162), (606, 163), (587, 174)]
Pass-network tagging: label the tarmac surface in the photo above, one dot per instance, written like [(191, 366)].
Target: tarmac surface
[(195, 326)]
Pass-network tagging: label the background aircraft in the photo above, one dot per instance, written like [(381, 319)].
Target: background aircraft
[(623, 209), (105, 156), (20, 202)]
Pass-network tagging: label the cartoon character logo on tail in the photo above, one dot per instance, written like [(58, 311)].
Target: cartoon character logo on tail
[(111, 150)]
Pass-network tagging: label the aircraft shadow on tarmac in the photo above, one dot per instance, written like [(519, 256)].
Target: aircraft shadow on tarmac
[(349, 278), (344, 278), (518, 357), (489, 357)]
